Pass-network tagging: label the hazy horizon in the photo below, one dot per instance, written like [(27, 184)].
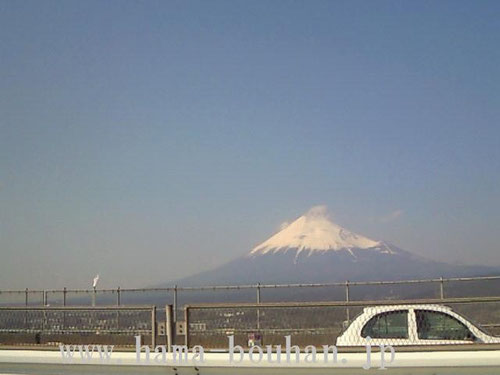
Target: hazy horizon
[(147, 141)]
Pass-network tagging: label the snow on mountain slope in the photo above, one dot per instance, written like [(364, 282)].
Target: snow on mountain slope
[(315, 232)]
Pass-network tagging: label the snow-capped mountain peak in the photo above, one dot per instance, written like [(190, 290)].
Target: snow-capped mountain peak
[(313, 249), (313, 232)]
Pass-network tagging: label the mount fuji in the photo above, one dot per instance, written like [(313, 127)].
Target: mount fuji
[(313, 249)]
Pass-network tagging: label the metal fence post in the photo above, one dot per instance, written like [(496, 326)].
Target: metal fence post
[(347, 299), (168, 327), (26, 312), (118, 303), (441, 287), (64, 304), (44, 322), (186, 322), (153, 328), (258, 302), (175, 303)]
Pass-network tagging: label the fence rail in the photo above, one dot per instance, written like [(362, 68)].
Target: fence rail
[(179, 296), (254, 286)]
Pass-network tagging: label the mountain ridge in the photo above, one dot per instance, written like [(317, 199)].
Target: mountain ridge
[(313, 249)]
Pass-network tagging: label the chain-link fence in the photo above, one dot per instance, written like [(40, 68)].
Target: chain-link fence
[(76, 325), (209, 325), (411, 322), (312, 313)]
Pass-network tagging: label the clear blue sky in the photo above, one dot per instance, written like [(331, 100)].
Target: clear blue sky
[(148, 140)]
